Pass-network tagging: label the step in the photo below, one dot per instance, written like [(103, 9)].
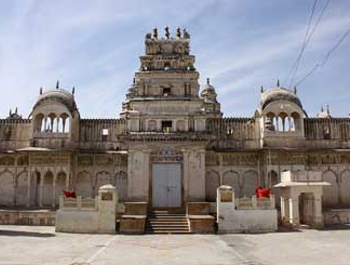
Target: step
[(168, 225), (162, 221), (174, 231)]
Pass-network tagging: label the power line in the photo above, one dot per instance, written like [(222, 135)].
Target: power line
[(304, 41), (308, 39), (325, 59)]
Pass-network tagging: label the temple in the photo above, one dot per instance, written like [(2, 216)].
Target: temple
[(171, 144)]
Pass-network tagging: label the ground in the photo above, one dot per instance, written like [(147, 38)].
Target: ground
[(40, 245)]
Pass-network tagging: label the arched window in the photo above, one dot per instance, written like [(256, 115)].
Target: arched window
[(283, 119), (296, 121), (48, 124), (39, 124), (67, 125), (60, 125)]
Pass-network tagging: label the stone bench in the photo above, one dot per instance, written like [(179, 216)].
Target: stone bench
[(133, 224), (201, 223)]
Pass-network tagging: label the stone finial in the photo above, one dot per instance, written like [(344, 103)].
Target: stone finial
[(208, 81), (16, 110), (178, 33), (10, 112), (186, 35), (41, 91), (73, 90), (278, 83), (148, 36), (262, 89), (322, 108), (327, 106), (167, 33), (155, 33), (58, 84), (134, 81), (295, 90)]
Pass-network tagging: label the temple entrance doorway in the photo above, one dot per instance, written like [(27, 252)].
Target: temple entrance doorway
[(306, 208), (166, 185)]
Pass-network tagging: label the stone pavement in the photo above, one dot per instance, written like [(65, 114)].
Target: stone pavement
[(24, 245)]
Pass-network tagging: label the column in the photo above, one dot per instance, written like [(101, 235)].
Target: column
[(318, 216), (41, 189), (54, 188), (29, 178)]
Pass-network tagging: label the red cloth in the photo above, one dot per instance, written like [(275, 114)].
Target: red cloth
[(262, 193), (69, 194)]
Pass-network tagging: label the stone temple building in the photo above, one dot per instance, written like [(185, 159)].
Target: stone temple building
[(171, 144)]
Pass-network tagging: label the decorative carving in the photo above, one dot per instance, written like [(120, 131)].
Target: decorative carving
[(85, 161), (23, 161), (104, 160), (7, 161)]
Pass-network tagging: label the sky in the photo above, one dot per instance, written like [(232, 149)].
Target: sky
[(95, 46)]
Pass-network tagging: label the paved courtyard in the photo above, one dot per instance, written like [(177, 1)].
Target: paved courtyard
[(40, 245)]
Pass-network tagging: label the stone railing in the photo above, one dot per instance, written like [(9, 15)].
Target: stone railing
[(78, 204), (254, 203)]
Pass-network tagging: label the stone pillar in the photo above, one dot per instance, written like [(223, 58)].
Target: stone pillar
[(107, 202), (186, 174), (29, 178), (54, 190), (138, 174), (197, 175), (294, 209), (318, 216), (41, 189)]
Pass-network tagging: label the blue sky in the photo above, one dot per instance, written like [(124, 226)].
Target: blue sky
[(240, 45)]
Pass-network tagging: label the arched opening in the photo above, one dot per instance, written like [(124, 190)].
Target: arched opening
[(280, 125), (231, 178), (249, 183), (296, 121), (48, 124), (269, 122), (67, 125), (345, 189), (83, 184), (212, 183), (55, 125), (65, 122), (102, 178), (60, 125), (330, 193), (47, 197), (306, 208), (7, 189), (60, 186), (39, 123), (283, 118), (34, 188), (22, 189)]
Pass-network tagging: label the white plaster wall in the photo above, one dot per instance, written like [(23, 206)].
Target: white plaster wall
[(77, 221), (252, 221)]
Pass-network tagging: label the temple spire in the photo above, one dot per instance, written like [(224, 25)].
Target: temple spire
[(278, 83), (58, 84)]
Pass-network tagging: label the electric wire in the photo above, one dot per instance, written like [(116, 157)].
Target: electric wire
[(325, 59), (308, 39), (304, 41)]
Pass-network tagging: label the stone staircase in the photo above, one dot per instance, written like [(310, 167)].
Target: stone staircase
[(166, 222)]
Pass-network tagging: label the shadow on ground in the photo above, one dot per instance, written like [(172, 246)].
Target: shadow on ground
[(24, 234)]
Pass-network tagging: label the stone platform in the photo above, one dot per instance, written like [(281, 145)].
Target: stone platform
[(27, 217)]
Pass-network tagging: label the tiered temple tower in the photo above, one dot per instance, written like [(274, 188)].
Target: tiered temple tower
[(165, 94)]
